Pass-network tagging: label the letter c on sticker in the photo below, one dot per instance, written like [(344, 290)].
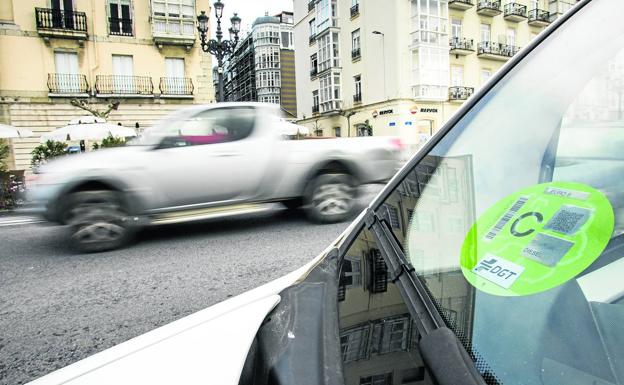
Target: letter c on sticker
[(515, 233)]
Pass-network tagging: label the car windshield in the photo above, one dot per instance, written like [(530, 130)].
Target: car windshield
[(514, 219)]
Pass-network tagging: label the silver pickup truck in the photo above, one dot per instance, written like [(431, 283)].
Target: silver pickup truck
[(202, 162)]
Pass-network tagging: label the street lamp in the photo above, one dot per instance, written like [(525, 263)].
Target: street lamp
[(383, 58), (220, 48)]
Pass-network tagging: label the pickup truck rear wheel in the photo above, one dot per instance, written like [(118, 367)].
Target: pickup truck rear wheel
[(98, 221), (331, 198)]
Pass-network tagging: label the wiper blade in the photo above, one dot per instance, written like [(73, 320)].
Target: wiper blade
[(442, 352)]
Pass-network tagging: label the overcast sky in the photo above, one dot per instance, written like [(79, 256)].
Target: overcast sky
[(248, 11)]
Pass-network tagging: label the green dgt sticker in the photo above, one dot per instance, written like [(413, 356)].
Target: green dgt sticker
[(537, 238)]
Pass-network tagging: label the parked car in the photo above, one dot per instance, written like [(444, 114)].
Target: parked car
[(481, 262), (205, 160)]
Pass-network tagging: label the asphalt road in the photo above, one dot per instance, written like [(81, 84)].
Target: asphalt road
[(57, 307)]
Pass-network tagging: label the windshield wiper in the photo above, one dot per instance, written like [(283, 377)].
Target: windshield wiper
[(442, 352)]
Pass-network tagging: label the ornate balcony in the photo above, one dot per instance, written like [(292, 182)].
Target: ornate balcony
[(128, 86), (460, 5), (355, 10), (461, 46), (489, 7), (496, 51), (539, 18), (61, 24), (460, 93), (515, 12), (356, 54), (176, 87), (74, 85)]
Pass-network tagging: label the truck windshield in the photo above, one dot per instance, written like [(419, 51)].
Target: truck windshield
[(514, 219)]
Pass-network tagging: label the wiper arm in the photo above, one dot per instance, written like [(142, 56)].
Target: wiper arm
[(442, 352)]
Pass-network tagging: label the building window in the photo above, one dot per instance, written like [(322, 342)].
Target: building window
[(424, 222), (312, 28), (390, 335), (120, 20), (379, 273), (392, 216), (364, 129), (324, 53), (267, 34), (355, 41), (357, 79), (337, 132), (335, 50), (511, 37), (485, 32), (313, 65), (377, 379), (485, 75), (330, 92), (353, 343), (267, 57), (287, 38), (174, 17), (457, 76), (322, 15), (456, 28), (351, 274), (315, 99)]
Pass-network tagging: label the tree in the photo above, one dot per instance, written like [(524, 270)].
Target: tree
[(110, 141), (82, 104), (4, 155), (47, 151)]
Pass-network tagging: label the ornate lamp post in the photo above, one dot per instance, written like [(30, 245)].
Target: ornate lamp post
[(220, 48)]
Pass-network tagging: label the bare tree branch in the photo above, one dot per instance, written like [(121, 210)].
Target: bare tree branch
[(82, 104)]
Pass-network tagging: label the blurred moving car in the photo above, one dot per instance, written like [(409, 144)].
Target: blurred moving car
[(485, 260), (202, 161)]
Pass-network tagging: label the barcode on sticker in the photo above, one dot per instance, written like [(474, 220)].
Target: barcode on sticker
[(505, 218)]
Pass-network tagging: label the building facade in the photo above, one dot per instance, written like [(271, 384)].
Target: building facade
[(143, 53), (403, 67), (262, 67)]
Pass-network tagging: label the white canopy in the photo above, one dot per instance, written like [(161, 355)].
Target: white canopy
[(294, 129), (14, 132), (87, 119), (88, 131)]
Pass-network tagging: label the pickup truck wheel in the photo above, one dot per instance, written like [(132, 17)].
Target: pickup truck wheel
[(331, 198), (98, 221)]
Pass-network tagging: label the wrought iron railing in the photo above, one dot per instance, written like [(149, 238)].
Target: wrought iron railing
[(515, 9), (460, 93), (312, 39), (357, 98), (121, 27), (315, 109), (176, 86), (490, 47), (67, 84), (356, 53), (539, 15), (313, 72), (124, 85), (461, 43), (49, 19), (355, 10), (489, 5)]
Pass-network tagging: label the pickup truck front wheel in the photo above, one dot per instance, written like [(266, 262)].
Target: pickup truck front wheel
[(331, 198), (98, 221)]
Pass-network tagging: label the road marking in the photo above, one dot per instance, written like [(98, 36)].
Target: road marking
[(20, 221)]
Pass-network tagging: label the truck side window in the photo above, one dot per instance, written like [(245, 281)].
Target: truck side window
[(216, 126)]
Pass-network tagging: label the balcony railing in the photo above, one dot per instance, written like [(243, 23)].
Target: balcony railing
[(176, 86), (64, 84), (356, 54), (515, 11), (460, 93), (492, 50), (357, 98), (539, 17), (315, 109), (355, 10), (489, 7), (56, 22), (123, 85), (313, 72), (461, 43), (460, 4), (312, 39), (311, 5), (120, 27)]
